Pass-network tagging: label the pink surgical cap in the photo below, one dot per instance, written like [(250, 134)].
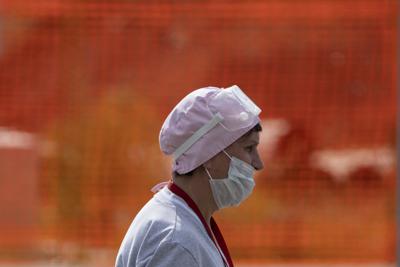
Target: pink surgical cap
[(193, 112)]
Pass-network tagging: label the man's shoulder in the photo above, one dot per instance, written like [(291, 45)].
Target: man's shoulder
[(152, 226), (169, 213), (158, 212), (164, 222)]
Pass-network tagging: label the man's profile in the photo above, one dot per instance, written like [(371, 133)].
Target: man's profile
[(212, 134)]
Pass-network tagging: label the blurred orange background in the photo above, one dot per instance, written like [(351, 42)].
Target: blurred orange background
[(86, 85)]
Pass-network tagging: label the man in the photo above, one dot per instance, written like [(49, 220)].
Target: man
[(213, 135)]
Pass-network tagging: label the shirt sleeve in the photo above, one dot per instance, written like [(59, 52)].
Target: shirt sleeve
[(172, 254)]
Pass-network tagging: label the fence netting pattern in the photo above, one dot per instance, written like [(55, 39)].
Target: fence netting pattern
[(85, 86)]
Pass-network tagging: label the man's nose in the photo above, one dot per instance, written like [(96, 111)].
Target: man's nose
[(258, 163)]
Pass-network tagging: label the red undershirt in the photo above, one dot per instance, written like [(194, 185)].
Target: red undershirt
[(214, 227)]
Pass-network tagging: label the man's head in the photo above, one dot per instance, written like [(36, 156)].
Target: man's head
[(208, 121), (245, 148)]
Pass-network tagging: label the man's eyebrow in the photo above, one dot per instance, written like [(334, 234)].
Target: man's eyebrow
[(252, 142)]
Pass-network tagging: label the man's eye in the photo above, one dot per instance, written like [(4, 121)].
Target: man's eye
[(249, 148)]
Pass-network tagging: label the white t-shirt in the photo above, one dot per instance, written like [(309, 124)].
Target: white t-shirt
[(167, 232)]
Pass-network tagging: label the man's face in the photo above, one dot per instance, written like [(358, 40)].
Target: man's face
[(245, 148)]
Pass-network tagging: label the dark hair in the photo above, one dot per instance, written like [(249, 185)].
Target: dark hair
[(256, 128)]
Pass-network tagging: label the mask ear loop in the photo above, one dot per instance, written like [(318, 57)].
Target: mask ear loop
[(208, 173), (226, 153)]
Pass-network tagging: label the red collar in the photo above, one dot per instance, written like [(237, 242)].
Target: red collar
[(214, 227)]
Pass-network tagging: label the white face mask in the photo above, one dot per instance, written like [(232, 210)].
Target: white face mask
[(239, 184)]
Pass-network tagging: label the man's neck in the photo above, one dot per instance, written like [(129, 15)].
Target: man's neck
[(198, 188)]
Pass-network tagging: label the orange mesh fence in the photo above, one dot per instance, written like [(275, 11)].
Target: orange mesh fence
[(85, 86)]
